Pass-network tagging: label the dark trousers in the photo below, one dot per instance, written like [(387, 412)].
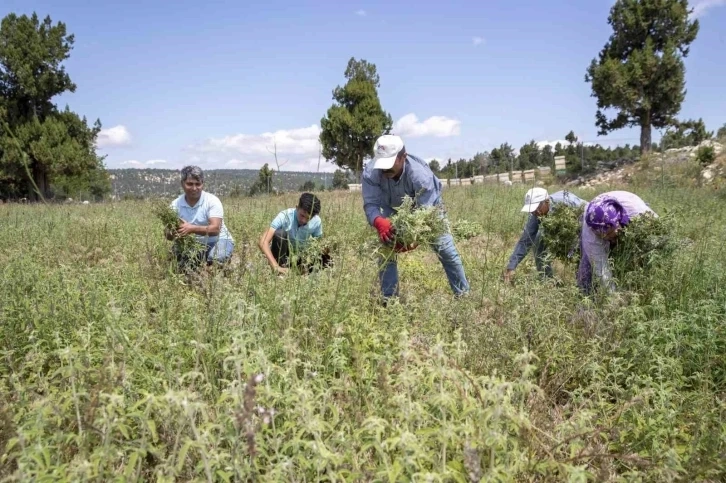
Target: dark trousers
[(281, 251)]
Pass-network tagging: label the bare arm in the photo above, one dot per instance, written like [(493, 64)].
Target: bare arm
[(264, 245), (213, 229)]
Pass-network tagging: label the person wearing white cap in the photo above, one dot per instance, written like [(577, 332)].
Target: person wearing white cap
[(391, 175), (537, 202)]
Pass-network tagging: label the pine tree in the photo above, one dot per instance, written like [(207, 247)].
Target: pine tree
[(640, 71)]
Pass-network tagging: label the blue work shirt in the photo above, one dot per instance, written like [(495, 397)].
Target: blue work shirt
[(298, 235), (533, 222), (381, 195)]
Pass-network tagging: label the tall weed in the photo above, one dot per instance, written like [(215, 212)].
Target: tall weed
[(114, 367)]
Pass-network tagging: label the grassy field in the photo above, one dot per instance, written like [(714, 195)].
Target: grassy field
[(114, 369)]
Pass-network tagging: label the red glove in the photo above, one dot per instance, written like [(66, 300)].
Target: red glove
[(385, 228), (401, 248)]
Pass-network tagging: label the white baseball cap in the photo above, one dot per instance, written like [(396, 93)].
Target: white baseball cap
[(385, 151), (533, 198)]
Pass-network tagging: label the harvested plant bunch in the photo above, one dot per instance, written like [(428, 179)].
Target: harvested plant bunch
[(464, 229), (413, 225), (421, 225), (188, 245), (169, 218), (562, 233), (644, 242), (312, 252)]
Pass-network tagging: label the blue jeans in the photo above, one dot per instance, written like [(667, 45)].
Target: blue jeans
[(219, 252), (449, 258)]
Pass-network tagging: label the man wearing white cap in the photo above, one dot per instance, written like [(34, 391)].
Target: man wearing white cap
[(537, 202), (391, 175)]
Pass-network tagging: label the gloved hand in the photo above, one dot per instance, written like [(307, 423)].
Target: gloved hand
[(385, 228), (401, 248)]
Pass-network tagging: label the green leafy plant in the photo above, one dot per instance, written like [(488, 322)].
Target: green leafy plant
[(647, 241), (311, 254), (465, 229), (421, 225), (561, 233), (418, 224), (705, 155), (188, 246), (113, 370)]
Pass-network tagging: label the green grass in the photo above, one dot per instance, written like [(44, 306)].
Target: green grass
[(114, 369)]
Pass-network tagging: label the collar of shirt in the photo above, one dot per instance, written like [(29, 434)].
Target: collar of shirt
[(185, 204), (402, 175)]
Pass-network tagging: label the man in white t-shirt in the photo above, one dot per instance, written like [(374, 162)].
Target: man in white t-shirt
[(202, 216), (290, 231)]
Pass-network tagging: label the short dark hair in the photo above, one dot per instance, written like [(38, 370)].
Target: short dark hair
[(310, 203), (192, 171)]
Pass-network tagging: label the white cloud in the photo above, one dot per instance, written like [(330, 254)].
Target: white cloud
[(289, 141), (360, 13), (477, 40), (115, 136), (297, 149), (438, 126), (133, 163), (304, 164), (700, 7)]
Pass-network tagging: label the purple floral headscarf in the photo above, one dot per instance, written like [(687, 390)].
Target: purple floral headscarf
[(604, 213)]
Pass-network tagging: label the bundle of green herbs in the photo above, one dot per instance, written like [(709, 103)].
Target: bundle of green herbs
[(646, 241), (311, 254), (414, 225), (187, 245), (561, 233)]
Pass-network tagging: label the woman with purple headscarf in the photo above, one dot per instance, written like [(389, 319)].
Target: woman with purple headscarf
[(604, 217)]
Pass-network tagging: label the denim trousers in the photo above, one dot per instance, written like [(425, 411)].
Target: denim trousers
[(448, 256)]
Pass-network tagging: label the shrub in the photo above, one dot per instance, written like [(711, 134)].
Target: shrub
[(464, 229), (705, 155)]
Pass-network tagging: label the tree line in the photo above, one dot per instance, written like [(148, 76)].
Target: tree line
[(639, 76), (133, 183)]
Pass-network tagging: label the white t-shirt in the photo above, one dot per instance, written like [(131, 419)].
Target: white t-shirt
[(207, 207)]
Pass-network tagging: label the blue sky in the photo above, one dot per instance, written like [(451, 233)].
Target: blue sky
[(214, 83)]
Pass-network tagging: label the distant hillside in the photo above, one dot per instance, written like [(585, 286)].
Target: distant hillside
[(148, 183)]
